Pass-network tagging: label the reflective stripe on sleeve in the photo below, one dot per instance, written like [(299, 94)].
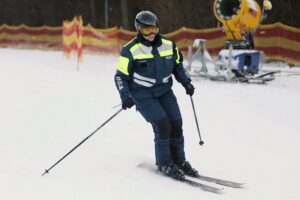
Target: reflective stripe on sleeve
[(123, 65), (178, 57)]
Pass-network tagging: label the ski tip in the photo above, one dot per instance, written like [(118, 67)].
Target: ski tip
[(236, 185), (215, 190), (241, 185)]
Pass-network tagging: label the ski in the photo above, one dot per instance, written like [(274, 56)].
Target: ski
[(266, 74), (262, 78), (202, 186), (187, 181), (220, 181)]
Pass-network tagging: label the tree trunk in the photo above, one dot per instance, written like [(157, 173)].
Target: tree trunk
[(124, 15)]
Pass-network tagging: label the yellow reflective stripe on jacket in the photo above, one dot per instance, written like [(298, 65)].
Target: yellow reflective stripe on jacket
[(140, 51), (169, 42), (143, 56), (135, 47), (166, 53), (123, 65), (166, 49), (178, 57)]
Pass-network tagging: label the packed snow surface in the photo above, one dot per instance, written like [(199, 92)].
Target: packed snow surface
[(47, 106)]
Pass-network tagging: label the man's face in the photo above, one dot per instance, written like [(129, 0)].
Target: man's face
[(150, 37), (149, 32)]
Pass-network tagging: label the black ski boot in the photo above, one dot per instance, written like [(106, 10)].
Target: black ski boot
[(187, 169), (172, 171)]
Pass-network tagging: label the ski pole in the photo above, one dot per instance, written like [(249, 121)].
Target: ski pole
[(80, 143), (201, 141)]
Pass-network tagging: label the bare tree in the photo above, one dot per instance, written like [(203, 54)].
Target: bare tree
[(124, 14)]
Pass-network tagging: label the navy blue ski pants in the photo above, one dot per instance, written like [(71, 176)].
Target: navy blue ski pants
[(164, 115)]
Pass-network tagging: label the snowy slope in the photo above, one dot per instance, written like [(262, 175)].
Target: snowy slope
[(251, 134)]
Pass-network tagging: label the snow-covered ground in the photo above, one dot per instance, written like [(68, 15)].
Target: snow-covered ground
[(251, 134)]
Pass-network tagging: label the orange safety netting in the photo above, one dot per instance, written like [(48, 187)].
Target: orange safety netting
[(72, 37), (277, 41)]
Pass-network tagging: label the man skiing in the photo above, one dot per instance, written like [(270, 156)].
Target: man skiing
[(144, 78)]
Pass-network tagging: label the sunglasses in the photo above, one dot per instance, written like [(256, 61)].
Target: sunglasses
[(147, 31)]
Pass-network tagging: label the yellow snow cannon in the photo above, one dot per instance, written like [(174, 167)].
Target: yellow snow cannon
[(240, 19)]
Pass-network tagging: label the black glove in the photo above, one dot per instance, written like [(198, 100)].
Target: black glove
[(189, 88), (127, 102)]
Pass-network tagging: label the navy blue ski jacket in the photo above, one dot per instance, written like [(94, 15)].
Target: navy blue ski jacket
[(145, 68)]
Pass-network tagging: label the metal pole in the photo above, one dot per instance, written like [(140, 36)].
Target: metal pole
[(201, 141), (80, 143)]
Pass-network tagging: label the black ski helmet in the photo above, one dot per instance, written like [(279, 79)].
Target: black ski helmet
[(145, 19)]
